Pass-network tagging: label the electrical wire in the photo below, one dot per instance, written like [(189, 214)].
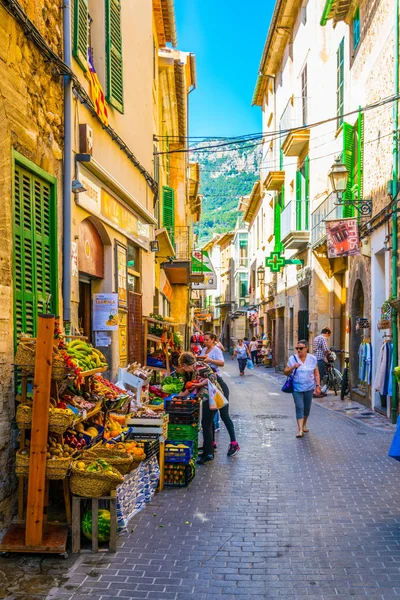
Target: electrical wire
[(284, 132)]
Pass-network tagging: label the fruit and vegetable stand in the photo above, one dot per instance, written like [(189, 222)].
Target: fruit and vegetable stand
[(103, 443)]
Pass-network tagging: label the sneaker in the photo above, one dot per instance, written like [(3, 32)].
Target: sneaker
[(217, 429), (202, 460), (233, 449), (215, 445)]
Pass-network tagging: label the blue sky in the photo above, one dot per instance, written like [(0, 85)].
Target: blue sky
[(228, 38)]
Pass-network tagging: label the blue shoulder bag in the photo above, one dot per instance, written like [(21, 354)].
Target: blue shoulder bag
[(288, 386)]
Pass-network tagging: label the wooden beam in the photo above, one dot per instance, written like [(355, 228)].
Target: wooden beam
[(39, 430)]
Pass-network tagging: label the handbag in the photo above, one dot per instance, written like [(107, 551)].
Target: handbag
[(288, 386), (250, 364), (394, 451), (216, 399)]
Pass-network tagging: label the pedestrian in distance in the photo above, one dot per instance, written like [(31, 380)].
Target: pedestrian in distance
[(242, 353), (321, 350), (213, 356), (306, 382), (253, 347)]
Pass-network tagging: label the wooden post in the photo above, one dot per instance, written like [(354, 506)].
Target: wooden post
[(161, 464), (39, 431)]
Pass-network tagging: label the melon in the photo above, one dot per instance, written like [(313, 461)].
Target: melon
[(104, 525)]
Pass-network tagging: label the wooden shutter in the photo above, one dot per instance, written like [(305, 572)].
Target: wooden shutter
[(135, 333), (35, 254), (115, 87), (348, 157), (340, 83), (81, 32), (307, 192), (168, 211), (360, 155), (298, 201)]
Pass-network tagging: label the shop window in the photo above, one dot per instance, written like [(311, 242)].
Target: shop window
[(134, 268), (114, 63)]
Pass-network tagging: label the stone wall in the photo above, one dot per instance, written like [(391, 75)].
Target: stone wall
[(31, 122)]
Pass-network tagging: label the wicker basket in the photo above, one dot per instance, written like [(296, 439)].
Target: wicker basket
[(58, 468), (91, 484), (118, 458), (23, 416), (59, 420), (25, 357), (59, 369), (21, 463), (384, 324)]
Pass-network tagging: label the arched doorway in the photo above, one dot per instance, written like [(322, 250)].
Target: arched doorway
[(91, 266), (357, 311)]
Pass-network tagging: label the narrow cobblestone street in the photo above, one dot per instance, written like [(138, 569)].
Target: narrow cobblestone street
[(286, 518)]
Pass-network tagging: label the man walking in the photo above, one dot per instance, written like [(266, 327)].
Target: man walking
[(321, 350)]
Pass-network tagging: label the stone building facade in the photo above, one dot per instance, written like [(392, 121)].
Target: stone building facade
[(31, 148)]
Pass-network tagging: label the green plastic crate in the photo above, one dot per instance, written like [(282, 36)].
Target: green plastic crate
[(183, 432)]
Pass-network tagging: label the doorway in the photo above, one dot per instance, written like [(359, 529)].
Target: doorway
[(85, 308), (303, 316), (356, 336)]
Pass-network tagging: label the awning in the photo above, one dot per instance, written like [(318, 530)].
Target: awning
[(166, 248)]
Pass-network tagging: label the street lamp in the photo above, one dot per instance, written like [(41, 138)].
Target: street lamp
[(339, 177), (260, 275)]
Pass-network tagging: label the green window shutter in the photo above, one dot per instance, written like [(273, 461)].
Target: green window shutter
[(115, 86), (283, 197), (168, 210), (356, 28), (81, 32), (280, 159), (35, 249), (360, 155), (298, 201), (348, 157), (340, 83), (277, 223), (307, 192)]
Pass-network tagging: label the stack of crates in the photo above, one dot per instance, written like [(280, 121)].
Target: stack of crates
[(183, 430)]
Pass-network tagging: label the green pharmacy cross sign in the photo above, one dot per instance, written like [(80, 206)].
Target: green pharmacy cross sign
[(276, 262)]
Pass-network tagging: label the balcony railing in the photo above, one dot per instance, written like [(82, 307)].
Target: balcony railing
[(295, 113), (288, 220), (326, 210), (180, 239)]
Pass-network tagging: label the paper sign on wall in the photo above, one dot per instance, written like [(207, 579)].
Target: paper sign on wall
[(105, 312)]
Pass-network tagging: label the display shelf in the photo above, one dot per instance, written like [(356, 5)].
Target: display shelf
[(93, 372), (154, 338), (151, 320), (89, 415)]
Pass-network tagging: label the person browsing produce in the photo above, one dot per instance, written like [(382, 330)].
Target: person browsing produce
[(197, 374), (213, 356)]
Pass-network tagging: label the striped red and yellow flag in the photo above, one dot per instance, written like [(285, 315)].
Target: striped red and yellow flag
[(96, 92)]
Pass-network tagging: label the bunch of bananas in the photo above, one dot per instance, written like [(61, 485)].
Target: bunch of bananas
[(85, 356)]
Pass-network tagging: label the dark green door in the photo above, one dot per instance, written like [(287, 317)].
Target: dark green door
[(34, 249)]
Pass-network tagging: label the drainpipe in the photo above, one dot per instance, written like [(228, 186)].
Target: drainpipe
[(67, 175), (394, 213)]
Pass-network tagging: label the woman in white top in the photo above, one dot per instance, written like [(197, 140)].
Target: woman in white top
[(253, 347), (306, 381)]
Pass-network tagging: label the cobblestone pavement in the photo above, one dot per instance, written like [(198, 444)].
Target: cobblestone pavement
[(316, 518)]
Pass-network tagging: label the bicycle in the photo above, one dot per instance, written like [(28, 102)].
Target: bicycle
[(345, 379), (332, 379)]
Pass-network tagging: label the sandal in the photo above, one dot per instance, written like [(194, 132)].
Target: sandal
[(300, 434), (305, 430)]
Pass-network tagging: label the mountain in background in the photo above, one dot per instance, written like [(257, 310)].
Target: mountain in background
[(226, 174)]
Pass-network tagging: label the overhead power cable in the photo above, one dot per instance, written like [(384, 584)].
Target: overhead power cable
[(283, 132)]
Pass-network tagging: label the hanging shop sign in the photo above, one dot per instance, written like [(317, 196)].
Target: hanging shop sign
[(105, 312), (201, 263), (342, 238)]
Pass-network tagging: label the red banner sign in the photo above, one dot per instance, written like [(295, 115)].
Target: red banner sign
[(342, 238)]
